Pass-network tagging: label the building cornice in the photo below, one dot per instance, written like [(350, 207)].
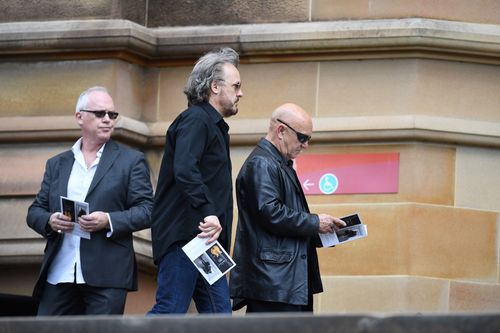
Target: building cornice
[(332, 130), (273, 42)]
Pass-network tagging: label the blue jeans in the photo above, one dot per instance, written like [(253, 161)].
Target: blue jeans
[(179, 281)]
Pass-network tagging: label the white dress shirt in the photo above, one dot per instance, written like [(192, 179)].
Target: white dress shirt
[(66, 266)]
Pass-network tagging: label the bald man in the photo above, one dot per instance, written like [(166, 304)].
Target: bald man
[(275, 250)]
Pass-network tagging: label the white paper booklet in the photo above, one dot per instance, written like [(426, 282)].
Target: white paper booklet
[(211, 260), (352, 231), (74, 209)]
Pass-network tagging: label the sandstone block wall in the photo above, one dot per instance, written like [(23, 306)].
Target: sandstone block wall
[(412, 77)]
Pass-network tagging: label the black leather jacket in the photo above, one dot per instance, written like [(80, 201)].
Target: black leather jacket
[(275, 238)]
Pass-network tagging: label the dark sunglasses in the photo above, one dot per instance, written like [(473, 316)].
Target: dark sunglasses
[(303, 138), (102, 113)]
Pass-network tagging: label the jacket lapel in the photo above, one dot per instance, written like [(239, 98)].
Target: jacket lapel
[(107, 159), (66, 165), (291, 174), (268, 146)]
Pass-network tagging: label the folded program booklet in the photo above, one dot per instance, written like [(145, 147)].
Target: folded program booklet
[(74, 209), (211, 260), (354, 229)]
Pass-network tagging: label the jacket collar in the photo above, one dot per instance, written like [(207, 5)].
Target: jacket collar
[(108, 157), (214, 115), (271, 149), (286, 165)]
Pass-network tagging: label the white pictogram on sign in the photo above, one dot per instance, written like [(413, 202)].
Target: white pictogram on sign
[(328, 183)]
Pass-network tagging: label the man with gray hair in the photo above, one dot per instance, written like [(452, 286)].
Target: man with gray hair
[(194, 192), (91, 275)]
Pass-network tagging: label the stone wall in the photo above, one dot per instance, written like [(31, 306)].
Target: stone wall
[(409, 77), (160, 13)]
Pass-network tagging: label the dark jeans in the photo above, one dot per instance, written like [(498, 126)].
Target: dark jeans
[(179, 281), (80, 299)]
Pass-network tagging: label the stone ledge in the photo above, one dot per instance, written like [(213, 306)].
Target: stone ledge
[(263, 323), (256, 42), (27, 251), (248, 131), (405, 294)]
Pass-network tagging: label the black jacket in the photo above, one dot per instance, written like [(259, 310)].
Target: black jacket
[(194, 181), (276, 234)]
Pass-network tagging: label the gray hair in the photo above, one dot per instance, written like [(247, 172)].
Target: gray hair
[(208, 68), (83, 100)]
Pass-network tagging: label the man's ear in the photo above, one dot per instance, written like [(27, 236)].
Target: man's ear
[(215, 87), (280, 131), (78, 117)]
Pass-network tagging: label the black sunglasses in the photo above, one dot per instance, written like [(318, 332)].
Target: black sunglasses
[(102, 113), (303, 138)]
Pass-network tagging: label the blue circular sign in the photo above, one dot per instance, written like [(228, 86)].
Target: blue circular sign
[(328, 183)]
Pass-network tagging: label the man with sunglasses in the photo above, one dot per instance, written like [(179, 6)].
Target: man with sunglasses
[(91, 276), (275, 249)]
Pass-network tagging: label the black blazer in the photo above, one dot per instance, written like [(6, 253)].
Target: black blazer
[(194, 180), (276, 234), (121, 187)]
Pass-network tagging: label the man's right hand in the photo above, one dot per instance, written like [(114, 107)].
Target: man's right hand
[(60, 223), (328, 223), (210, 228)]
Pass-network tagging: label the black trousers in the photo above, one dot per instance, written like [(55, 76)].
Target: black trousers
[(264, 306), (80, 299)]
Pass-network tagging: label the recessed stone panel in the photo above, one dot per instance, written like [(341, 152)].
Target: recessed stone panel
[(202, 12), (458, 90), (452, 243), (474, 297), (172, 100), (383, 252), (413, 239), (478, 178), (46, 10), (13, 224), (151, 92), (50, 88), (486, 11), (367, 88), (128, 89), (409, 86), (348, 294), (22, 168), (267, 86), (264, 86)]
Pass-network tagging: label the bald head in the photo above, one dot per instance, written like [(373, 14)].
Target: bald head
[(288, 126), (291, 112), (293, 115)]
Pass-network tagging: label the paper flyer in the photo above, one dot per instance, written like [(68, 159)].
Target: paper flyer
[(211, 260), (353, 230), (74, 209)]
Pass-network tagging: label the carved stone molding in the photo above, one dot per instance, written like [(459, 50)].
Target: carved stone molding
[(272, 42)]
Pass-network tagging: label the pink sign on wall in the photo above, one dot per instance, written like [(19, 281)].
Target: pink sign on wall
[(348, 173)]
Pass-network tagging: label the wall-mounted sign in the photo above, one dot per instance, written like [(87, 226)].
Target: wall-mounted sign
[(348, 173)]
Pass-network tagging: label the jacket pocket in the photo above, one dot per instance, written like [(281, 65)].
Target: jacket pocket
[(274, 256)]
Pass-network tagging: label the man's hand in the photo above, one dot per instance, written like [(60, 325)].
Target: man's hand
[(94, 221), (60, 223), (328, 223), (210, 228)]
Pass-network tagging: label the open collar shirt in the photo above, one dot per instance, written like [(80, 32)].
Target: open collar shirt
[(66, 267)]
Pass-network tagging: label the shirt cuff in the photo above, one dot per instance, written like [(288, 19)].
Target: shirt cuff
[(110, 233)]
